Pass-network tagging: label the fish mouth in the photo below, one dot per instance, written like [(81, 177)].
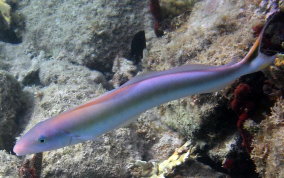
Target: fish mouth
[(17, 150), (20, 150)]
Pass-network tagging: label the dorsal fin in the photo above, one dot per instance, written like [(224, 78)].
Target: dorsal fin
[(183, 68)]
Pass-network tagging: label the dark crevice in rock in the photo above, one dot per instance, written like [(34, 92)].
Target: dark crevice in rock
[(20, 120), (9, 36), (101, 67), (138, 44), (32, 78), (237, 162), (217, 125), (14, 105)]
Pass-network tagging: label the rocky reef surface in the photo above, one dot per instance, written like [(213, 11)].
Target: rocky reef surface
[(68, 52), (267, 146)]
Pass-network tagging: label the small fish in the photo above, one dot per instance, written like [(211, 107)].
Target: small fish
[(118, 106)]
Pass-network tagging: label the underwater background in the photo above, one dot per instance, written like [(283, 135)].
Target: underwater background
[(58, 54)]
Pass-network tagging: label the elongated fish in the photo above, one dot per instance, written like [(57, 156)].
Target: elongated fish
[(118, 106)]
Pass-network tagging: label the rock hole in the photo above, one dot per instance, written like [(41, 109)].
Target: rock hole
[(138, 44)]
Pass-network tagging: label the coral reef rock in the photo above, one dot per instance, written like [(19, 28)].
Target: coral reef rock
[(180, 164), (176, 7), (11, 105), (268, 150), (92, 31), (8, 164), (123, 70)]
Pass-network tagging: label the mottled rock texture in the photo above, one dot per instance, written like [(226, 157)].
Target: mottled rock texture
[(8, 165), (123, 70), (268, 150), (90, 33)]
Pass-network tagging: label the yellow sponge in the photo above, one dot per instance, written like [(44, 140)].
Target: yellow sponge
[(5, 12)]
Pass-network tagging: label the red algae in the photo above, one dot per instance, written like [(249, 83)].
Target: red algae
[(243, 105), (155, 10)]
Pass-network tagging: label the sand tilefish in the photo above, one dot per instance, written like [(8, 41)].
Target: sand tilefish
[(118, 106)]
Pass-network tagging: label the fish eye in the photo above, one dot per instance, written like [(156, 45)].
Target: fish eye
[(42, 139)]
